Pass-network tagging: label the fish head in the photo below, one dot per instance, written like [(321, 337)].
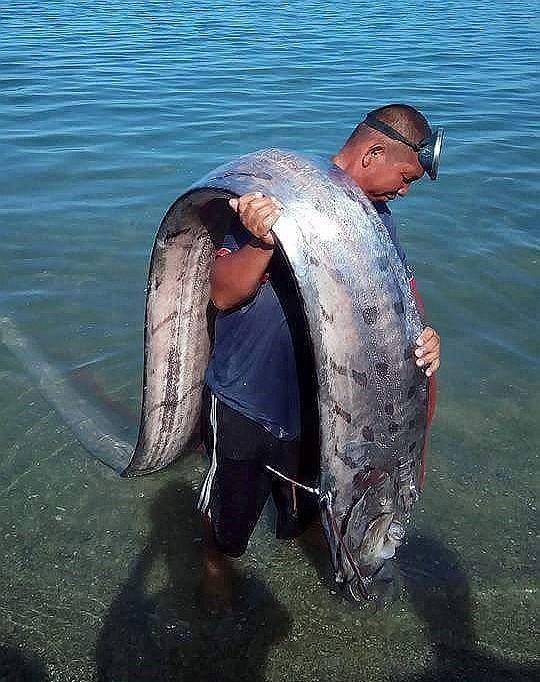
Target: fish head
[(381, 539)]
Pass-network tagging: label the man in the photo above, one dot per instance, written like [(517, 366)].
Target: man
[(254, 415)]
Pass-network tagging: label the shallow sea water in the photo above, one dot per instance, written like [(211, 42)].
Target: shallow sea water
[(108, 112)]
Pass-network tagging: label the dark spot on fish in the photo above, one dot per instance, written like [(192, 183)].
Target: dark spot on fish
[(412, 423), (381, 368), (327, 316), (412, 446), (171, 233), (399, 308), (360, 378), (343, 413), (168, 406), (161, 324), (349, 461), (339, 369), (393, 427), (370, 315), (157, 282), (313, 260), (382, 262), (389, 409), (407, 355), (367, 433), (411, 391), (351, 193)]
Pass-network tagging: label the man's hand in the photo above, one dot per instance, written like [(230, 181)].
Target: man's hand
[(428, 353), (258, 214)]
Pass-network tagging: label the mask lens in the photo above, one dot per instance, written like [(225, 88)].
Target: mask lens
[(430, 153)]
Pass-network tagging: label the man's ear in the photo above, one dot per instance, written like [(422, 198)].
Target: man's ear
[(373, 154)]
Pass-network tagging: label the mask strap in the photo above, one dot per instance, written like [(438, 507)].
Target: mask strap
[(385, 129)]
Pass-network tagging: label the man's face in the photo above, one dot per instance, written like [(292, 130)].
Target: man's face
[(391, 176)]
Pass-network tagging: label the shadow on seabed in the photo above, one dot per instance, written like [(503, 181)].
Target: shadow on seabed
[(440, 594), (438, 589), (168, 635), (17, 665)]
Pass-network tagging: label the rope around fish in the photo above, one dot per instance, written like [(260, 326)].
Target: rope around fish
[(323, 499)]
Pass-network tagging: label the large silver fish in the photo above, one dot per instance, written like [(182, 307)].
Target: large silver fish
[(362, 320)]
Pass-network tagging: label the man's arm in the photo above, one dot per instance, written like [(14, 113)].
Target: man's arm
[(236, 276)]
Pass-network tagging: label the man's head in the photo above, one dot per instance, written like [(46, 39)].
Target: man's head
[(382, 166)]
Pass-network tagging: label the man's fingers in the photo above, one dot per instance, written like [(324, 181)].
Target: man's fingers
[(265, 211), (426, 359), (247, 199), (238, 203), (428, 347), (258, 206), (270, 220), (263, 205), (255, 208), (427, 334), (433, 367), (257, 212), (256, 220)]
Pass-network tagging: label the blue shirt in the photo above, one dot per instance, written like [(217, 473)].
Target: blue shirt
[(253, 368)]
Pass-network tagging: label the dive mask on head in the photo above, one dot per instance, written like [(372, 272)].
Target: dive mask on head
[(428, 149)]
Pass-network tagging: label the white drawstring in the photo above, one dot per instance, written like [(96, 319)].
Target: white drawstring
[(204, 498), (313, 491)]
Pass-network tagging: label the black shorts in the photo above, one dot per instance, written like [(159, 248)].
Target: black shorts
[(238, 484)]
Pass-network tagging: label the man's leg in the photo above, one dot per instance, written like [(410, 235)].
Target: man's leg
[(240, 493), (216, 582), (233, 494)]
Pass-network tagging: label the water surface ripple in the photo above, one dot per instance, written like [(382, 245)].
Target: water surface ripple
[(109, 110)]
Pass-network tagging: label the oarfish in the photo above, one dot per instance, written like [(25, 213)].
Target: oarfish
[(361, 320)]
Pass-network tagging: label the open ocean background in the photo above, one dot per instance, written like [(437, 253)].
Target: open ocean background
[(108, 111)]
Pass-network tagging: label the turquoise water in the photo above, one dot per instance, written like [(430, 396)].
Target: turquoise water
[(108, 112)]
